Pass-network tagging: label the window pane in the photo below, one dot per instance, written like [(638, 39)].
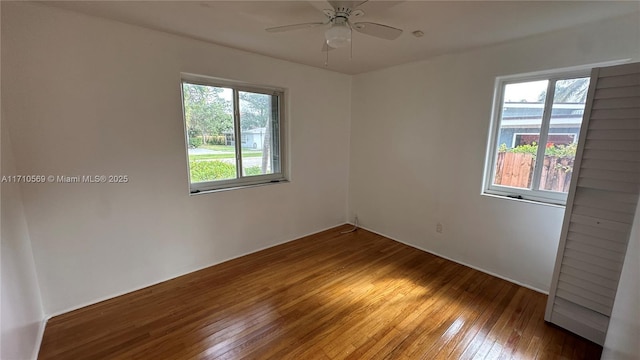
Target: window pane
[(564, 127), (519, 133), (258, 128), (208, 112)]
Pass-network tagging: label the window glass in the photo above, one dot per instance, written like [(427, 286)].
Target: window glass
[(522, 110), (257, 115), (208, 112), (560, 152)]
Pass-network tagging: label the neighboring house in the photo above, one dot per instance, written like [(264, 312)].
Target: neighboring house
[(251, 139), (521, 123)]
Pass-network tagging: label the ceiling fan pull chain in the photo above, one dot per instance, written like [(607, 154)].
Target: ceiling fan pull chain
[(326, 60)]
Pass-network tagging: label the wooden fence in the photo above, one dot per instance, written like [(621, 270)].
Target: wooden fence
[(516, 169)]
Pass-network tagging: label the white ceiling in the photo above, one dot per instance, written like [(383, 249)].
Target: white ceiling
[(449, 26)]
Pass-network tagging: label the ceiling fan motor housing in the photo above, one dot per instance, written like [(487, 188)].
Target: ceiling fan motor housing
[(340, 21)]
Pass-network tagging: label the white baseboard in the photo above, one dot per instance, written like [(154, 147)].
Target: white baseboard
[(41, 327), (460, 262), (182, 273)]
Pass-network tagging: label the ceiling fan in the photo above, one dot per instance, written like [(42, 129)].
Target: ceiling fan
[(340, 25)]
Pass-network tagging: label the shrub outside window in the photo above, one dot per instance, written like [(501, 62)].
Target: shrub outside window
[(535, 132), (217, 113)]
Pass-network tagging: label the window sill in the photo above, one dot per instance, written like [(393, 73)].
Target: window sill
[(238, 187), (529, 201)]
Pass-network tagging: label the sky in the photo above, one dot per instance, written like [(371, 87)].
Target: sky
[(528, 91)]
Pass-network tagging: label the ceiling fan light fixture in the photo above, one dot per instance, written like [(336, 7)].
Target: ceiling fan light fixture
[(338, 36)]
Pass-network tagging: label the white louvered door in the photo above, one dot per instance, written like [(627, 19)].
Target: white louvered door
[(600, 206)]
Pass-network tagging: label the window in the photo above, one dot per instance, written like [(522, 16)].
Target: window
[(531, 111), (216, 113)]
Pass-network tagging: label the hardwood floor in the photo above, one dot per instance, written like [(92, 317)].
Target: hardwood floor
[(326, 296)]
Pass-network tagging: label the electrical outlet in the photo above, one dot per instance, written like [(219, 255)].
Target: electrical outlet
[(439, 228)]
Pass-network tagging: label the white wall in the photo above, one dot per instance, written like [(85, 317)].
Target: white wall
[(418, 144), (624, 326), (21, 312), (87, 96)]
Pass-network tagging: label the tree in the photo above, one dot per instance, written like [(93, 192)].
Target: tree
[(255, 110), (206, 112), (569, 91), (572, 90)]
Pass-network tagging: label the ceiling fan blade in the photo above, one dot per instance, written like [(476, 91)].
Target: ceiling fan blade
[(321, 5), (377, 30), (326, 47), (346, 3), (293, 27)]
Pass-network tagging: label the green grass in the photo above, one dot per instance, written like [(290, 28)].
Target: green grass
[(211, 171), (216, 170), (253, 170), (208, 167)]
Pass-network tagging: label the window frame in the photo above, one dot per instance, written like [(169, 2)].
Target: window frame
[(533, 194), (241, 181)]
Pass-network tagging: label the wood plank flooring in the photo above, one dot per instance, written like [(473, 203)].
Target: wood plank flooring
[(325, 296)]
